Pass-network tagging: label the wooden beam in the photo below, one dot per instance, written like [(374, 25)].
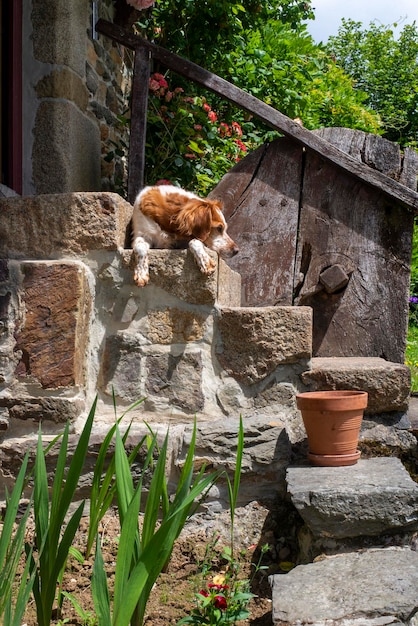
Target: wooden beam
[(270, 116), (139, 106)]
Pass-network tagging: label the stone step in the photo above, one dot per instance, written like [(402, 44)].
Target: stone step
[(373, 497), (388, 384), (371, 588)]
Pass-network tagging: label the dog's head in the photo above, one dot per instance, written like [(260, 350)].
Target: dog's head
[(204, 220)]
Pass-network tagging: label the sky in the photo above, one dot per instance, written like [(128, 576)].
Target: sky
[(328, 14)]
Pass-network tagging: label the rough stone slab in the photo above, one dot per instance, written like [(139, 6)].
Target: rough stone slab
[(388, 384), (254, 341), (374, 496), (176, 272), (19, 408), (52, 336), (48, 226), (371, 588), (267, 452)]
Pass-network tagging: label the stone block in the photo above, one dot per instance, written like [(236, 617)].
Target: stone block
[(53, 334), (267, 452), (49, 226), (26, 408), (174, 381), (373, 497), (56, 32), (168, 381), (372, 588), (253, 342), (174, 325), (176, 272), (120, 369), (64, 83), (388, 384), (66, 149)]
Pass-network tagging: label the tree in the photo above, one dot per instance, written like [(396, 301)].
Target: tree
[(386, 69)]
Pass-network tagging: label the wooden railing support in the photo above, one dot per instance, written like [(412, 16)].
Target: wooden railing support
[(139, 106)]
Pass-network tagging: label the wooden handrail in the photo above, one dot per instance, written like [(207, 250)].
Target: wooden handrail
[(266, 113)]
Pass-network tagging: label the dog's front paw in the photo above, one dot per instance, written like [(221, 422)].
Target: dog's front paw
[(204, 262), (141, 276), (207, 265)]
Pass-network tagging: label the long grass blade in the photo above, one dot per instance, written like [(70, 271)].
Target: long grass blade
[(99, 588)]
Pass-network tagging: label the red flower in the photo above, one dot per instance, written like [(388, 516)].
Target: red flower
[(220, 602), (237, 128), (212, 116), (206, 107), (224, 130), (241, 145)]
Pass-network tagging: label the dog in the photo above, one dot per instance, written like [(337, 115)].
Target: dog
[(166, 216)]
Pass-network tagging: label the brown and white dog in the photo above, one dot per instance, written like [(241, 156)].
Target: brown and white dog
[(166, 216)]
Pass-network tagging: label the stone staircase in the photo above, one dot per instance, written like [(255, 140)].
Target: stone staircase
[(358, 547)]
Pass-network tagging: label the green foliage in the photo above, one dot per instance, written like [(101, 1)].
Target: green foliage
[(13, 602), (103, 487), (265, 49), (225, 600), (205, 30), (385, 68), (142, 554), (411, 356), (53, 534), (286, 69), (186, 143)]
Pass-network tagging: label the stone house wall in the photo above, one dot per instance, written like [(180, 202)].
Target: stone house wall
[(75, 87)]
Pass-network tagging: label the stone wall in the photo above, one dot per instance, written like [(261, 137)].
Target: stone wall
[(75, 89)]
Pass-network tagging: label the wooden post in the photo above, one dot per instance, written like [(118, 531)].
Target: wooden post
[(139, 105)]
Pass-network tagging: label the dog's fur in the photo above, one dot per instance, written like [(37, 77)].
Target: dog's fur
[(170, 217)]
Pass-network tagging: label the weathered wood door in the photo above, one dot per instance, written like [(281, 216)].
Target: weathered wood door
[(309, 234)]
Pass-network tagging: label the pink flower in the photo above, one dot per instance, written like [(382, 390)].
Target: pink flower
[(140, 4), (154, 85), (206, 107), (160, 78), (190, 155), (212, 116), (198, 126), (169, 96), (163, 181)]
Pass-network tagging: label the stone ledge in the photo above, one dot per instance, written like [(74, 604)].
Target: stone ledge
[(176, 272), (52, 225), (367, 499), (388, 384), (373, 588)]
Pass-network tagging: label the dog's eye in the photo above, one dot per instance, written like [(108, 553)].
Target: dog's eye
[(220, 229)]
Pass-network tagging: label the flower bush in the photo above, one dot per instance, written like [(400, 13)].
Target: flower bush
[(225, 599), (187, 143)]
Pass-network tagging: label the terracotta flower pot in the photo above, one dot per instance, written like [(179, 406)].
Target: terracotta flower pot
[(332, 421)]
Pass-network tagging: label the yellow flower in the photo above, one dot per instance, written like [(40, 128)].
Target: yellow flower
[(219, 579)]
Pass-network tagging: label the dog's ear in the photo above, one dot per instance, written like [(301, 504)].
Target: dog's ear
[(195, 219)]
